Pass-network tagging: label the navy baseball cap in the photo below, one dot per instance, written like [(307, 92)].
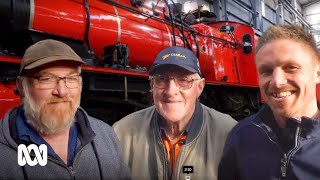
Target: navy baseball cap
[(176, 56)]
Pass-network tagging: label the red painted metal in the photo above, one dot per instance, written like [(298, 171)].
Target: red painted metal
[(244, 62), (221, 57), (67, 18), (8, 99), (318, 91), (146, 37), (10, 59), (61, 17)]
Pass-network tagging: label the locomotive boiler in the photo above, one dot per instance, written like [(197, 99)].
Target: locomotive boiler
[(119, 40)]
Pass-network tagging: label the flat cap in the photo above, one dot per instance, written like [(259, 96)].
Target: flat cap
[(47, 51)]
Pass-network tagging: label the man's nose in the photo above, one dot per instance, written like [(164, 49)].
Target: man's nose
[(278, 78), (61, 88), (172, 86)]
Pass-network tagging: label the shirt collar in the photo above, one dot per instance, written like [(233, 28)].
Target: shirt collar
[(25, 132)]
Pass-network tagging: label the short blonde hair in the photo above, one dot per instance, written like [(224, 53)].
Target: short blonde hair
[(290, 32)]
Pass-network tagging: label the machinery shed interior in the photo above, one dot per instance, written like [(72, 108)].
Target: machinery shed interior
[(260, 14), (120, 39)]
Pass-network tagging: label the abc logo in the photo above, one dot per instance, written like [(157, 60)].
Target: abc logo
[(41, 155)]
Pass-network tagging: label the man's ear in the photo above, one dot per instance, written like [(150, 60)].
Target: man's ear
[(200, 87), (318, 74), (19, 89), (151, 84)]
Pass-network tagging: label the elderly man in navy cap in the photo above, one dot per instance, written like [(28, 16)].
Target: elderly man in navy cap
[(178, 137)]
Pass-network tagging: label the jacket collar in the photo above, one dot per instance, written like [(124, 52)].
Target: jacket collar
[(193, 127), (85, 132), (308, 127), (265, 117)]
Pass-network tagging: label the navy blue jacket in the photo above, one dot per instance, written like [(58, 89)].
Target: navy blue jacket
[(257, 148)]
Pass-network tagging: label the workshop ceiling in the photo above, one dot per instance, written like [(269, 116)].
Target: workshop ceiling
[(305, 3)]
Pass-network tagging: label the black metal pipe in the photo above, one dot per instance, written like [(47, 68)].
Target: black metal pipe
[(14, 24), (14, 15)]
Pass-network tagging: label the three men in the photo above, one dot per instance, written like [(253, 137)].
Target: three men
[(177, 131), (79, 146), (282, 139)]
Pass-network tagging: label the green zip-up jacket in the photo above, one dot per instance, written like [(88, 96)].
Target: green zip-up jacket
[(144, 153)]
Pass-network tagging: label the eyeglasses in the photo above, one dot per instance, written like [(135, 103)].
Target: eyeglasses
[(161, 81), (50, 82)]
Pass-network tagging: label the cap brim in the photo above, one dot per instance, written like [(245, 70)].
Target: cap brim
[(47, 60), (154, 68)]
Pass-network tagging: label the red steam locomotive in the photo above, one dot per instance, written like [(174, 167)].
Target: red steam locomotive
[(119, 39)]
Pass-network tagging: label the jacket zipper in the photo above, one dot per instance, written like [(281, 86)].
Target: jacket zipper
[(284, 160), (62, 164), (173, 154), (74, 158), (165, 158), (70, 168), (286, 157), (176, 174), (72, 172), (166, 164)]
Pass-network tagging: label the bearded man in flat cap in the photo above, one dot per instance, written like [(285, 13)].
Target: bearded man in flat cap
[(73, 144)]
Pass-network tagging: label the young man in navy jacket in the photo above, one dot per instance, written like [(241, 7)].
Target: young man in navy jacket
[(283, 139)]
